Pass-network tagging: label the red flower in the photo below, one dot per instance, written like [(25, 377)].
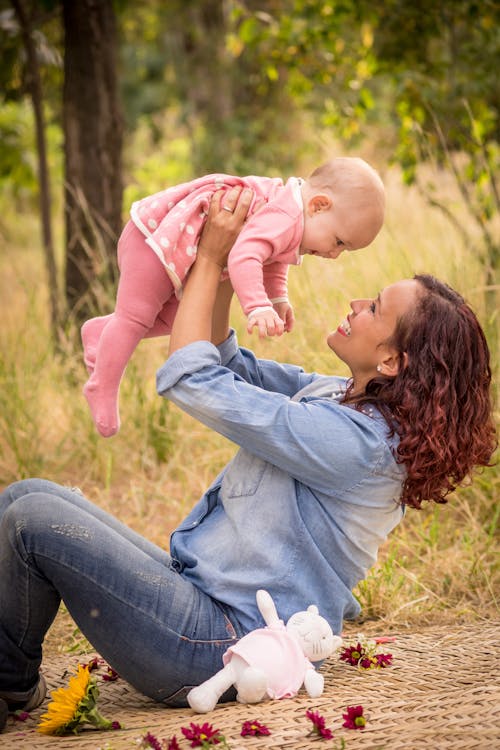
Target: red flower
[(367, 662), (352, 654), (364, 655), (149, 740), (354, 718), (203, 736), (319, 725), (94, 663), (110, 675), (116, 725), (254, 728), (173, 744), (383, 660)]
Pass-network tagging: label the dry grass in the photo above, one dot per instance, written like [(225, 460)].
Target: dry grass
[(439, 566)]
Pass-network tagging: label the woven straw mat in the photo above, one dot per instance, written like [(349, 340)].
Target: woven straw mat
[(441, 693)]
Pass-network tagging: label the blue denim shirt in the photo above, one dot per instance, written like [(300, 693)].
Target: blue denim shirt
[(303, 507)]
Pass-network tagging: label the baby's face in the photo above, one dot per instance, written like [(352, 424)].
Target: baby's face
[(330, 230)]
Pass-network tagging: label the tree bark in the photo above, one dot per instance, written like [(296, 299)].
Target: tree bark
[(34, 85), (93, 145)]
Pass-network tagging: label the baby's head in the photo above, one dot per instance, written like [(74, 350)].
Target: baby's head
[(344, 202)]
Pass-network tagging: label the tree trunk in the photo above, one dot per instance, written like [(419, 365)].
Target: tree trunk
[(93, 145), (34, 85)]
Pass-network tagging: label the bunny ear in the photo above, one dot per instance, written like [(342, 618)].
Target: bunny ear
[(313, 609), (266, 607)]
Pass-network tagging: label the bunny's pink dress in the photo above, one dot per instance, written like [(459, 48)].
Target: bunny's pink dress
[(278, 654)]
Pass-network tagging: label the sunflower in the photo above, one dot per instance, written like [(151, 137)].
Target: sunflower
[(73, 706)]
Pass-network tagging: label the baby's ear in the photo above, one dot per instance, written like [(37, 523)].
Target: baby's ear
[(319, 202)]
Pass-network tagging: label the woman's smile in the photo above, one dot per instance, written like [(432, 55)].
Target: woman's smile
[(369, 327), (345, 327)]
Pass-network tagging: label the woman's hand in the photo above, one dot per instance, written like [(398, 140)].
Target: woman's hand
[(200, 317), (226, 216)]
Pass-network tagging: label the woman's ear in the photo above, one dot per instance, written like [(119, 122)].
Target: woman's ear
[(390, 364), (319, 202)]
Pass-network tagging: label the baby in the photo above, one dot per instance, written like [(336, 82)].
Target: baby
[(339, 207)]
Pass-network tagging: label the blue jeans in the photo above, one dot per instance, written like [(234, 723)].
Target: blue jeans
[(156, 629)]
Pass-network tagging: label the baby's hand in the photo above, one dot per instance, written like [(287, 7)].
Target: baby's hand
[(267, 321), (285, 311)]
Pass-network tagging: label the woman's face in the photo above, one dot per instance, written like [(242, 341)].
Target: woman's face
[(360, 340)]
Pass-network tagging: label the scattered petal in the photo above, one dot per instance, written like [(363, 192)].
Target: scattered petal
[(110, 675), (21, 715), (94, 663)]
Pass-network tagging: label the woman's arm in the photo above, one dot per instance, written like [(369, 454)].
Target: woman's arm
[(327, 446), (221, 310), (196, 319)]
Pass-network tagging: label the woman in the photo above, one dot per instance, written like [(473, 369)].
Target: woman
[(325, 469)]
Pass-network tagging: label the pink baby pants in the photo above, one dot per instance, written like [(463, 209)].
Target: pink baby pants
[(145, 307)]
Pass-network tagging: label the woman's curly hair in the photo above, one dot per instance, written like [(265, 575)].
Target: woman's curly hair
[(439, 403)]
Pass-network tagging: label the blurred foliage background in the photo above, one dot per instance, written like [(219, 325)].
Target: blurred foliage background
[(263, 86), (104, 102)]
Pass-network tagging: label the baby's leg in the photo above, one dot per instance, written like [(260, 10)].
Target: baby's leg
[(143, 290), (165, 320), (91, 333), (92, 329)]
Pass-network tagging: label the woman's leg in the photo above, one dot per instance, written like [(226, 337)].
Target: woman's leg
[(74, 496), (156, 629), (143, 290)]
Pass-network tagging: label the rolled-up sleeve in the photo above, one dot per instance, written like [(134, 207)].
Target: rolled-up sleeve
[(229, 348), (186, 361), (265, 373)]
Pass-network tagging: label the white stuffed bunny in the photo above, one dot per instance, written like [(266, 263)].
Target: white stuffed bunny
[(273, 661)]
